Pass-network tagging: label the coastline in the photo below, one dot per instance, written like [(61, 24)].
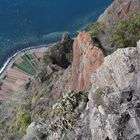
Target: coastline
[(11, 59)]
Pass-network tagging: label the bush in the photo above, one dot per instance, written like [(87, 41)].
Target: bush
[(69, 56), (46, 59), (127, 32), (96, 28), (23, 118)]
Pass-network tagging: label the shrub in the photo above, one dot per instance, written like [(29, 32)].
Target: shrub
[(68, 109), (46, 59), (96, 28), (23, 118), (69, 56), (127, 32)]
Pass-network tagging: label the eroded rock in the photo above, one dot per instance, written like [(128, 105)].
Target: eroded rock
[(114, 113), (86, 59)]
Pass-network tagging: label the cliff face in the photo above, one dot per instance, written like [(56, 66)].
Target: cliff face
[(94, 98), (118, 10), (86, 59), (114, 99), (111, 111)]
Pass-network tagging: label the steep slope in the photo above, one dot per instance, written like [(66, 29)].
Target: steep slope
[(114, 100), (91, 98), (112, 112), (117, 11)]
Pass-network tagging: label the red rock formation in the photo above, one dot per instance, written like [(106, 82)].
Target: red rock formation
[(86, 59)]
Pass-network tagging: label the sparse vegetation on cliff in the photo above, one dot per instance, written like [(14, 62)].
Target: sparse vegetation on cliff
[(23, 118), (127, 32), (96, 28), (68, 110)]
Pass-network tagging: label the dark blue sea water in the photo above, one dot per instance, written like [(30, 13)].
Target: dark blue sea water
[(37, 21)]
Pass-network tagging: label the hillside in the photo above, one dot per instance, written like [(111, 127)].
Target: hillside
[(86, 88)]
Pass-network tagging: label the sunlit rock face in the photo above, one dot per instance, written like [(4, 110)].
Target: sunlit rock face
[(86, 59), (114, 99)]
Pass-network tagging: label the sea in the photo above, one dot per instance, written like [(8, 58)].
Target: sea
[(25, 23)]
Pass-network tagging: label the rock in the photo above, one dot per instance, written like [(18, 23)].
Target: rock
[(57, 52), (66, 38), (116, 117), (86, 59), (118, 10), (36, 131)]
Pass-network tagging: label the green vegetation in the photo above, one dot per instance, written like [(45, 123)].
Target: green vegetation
[(69, 56), (96, 28), (23, 118), (46, 59), (28, 65), (97, 96), (25, 67), (68, 110), (127, 32), (29, 62)]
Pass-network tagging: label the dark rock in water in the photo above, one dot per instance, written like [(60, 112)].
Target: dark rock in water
[(66, 38)]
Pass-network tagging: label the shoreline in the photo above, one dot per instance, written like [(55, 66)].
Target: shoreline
[(11, 59)]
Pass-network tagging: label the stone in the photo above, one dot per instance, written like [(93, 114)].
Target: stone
[(57, 52), (117, 117), (86, 59)]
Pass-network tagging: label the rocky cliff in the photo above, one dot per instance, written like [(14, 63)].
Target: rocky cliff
[(114, 98), (117, 11), (111, 111), (91, 97), (86, 59)]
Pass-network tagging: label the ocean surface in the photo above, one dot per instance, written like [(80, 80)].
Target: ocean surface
[(30, 22)]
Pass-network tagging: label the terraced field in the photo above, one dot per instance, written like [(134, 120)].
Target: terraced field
[(28, 64), (24, 67)]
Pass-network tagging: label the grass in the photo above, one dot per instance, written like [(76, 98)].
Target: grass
[(29, 56), (27, 61)]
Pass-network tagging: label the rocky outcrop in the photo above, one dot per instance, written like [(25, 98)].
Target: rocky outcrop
[(114, 99), (113, 108), (58, 51), (118, 10), (96, 98), (86, 59)]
